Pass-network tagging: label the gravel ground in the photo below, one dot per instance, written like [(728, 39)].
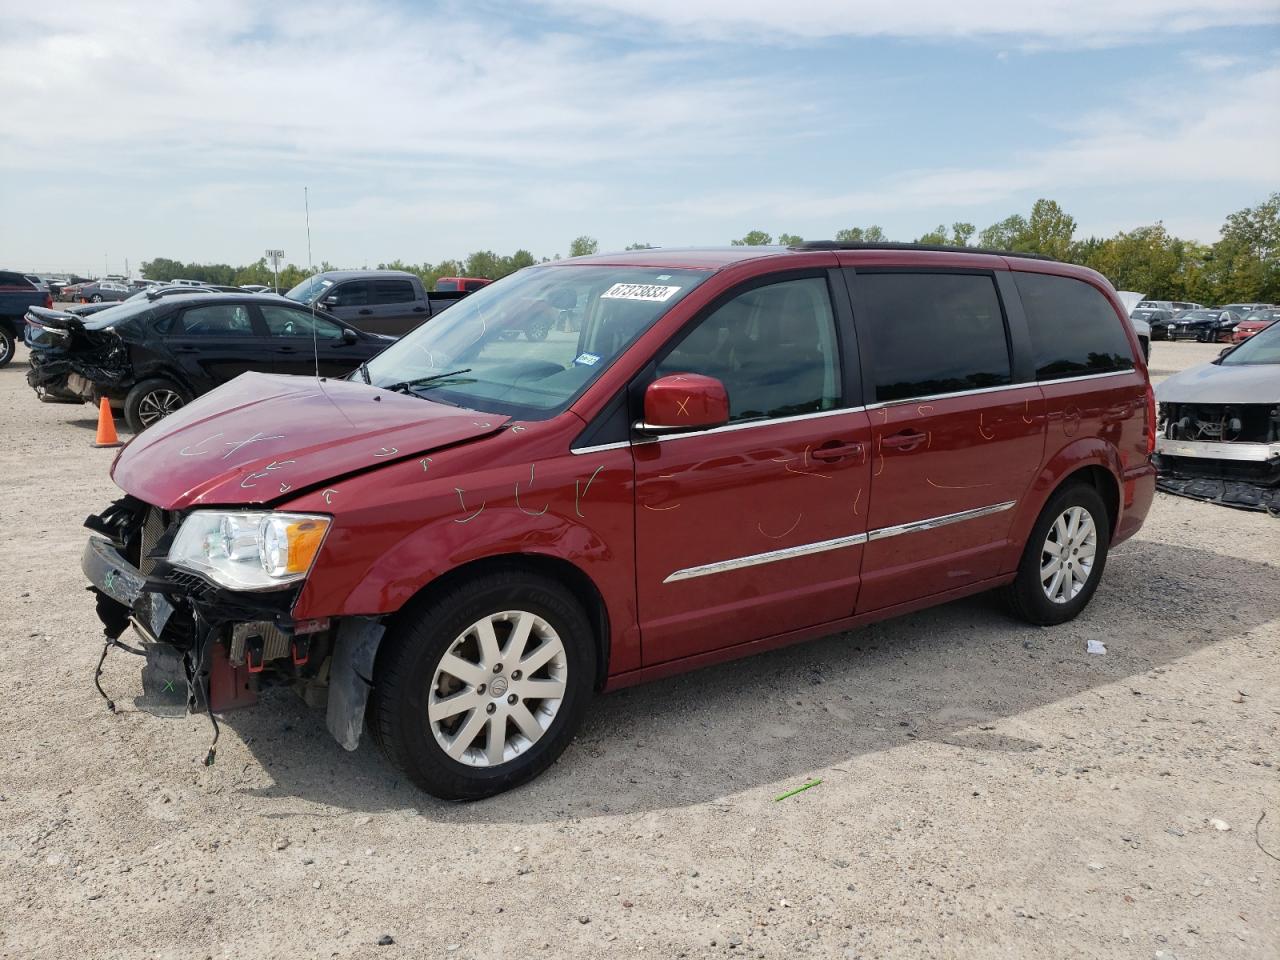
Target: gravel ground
[(987, 788)]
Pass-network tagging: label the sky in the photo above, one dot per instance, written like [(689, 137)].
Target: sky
[(425, 130)]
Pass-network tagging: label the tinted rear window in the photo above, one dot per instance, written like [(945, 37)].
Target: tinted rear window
[(392, 291), (1074, 329), (15, 280), (934, 333)]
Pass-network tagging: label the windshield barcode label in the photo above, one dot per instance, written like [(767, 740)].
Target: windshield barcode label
[(639, 291)]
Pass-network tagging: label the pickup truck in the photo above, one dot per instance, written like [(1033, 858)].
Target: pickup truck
[(17, 295), (389, 302)]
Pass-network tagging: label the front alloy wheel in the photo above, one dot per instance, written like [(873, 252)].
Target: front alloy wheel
[(479, 686), (1066, 560), (498, 688)]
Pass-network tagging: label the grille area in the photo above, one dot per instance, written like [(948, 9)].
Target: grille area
[(154, 525)]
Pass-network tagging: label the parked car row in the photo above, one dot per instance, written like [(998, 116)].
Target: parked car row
[(164, 345), (1231, 323)]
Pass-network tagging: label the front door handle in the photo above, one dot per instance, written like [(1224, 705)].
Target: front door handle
[(365, 313), (837, 450), (906, 440)]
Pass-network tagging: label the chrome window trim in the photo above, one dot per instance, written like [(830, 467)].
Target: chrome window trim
[(1091, 376), (917, 526), (726, 428), (1000, 389), (787, 553), (601, 447), (765, 422)]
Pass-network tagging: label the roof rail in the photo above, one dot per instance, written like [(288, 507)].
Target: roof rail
[(931, 247)]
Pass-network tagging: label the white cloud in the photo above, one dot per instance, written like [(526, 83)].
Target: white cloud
[(1050, 22), (1229, 133)]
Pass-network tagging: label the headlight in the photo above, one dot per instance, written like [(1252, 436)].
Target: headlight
[(249, 551)]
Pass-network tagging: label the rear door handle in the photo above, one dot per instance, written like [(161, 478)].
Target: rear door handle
[(286, 350), (186, 349), (837, 450), (419, 309), (365, 313), (906, 440)]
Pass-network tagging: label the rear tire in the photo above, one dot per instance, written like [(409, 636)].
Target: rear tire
[(1061, 545), (151, 401), (500, 733), (7, 347)]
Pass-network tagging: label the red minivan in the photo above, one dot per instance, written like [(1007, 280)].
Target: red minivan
[(728, 451)]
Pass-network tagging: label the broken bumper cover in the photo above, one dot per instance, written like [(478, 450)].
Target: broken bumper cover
[(1233, 474), (120, 580)]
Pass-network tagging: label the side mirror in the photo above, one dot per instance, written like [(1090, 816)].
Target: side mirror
[(330, 301), (684, 401), (1225, 350), (349, 336)]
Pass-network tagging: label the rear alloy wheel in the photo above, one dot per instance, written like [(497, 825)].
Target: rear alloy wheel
[(151, 401), (1063, 560), (96, 298), (482, 687), (6, 347), (1066, 559)]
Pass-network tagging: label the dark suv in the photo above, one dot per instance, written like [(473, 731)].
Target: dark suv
[(154, 354), (731, 450)]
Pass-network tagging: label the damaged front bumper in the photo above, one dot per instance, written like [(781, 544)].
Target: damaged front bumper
[(1234, 474), (210, 650)]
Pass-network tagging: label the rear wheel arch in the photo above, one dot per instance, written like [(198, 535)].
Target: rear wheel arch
[(1103, 481), (562, 571)]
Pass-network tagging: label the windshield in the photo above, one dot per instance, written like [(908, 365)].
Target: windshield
[(309, 289), (529, 344), (1262, 347)]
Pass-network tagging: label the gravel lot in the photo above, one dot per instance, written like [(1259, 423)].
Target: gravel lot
[(987, 788)]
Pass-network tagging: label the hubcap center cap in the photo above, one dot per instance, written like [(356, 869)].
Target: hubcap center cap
[(498, 687)]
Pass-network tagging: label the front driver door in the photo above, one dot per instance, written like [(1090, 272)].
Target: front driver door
[(755, 528)]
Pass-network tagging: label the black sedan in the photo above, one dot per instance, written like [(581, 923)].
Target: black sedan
[(1207, 326), (1156, 318), (152, 356)]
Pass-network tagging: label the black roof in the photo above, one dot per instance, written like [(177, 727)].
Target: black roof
[(931, 247)]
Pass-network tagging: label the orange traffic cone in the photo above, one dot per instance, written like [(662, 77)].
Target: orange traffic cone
[(106, 427)]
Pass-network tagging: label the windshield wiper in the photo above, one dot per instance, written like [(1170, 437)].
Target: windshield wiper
[(364, 372), (411, 386)]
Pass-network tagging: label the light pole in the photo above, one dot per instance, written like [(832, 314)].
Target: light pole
[(275, 256)]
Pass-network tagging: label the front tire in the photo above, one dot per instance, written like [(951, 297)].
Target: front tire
[(7, 347), (1063, 560), (482, 687), (151, 401)]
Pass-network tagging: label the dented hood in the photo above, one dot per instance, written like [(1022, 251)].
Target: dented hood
[(1223, 383), (261, 437)]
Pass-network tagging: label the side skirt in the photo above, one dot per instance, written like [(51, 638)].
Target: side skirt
[(712, 657)]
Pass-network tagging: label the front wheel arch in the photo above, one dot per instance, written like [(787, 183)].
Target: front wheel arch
[(578, 583)]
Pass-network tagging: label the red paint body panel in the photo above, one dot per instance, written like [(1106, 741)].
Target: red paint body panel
[(962, 453), (418, 490), (741, 492), (260, 436)]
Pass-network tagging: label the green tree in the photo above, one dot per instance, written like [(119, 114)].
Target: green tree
[(790, 239), (871, 234), (1245, 263), (583, 246), (961, 233), (1049, 231), (1004, 235), (754, 238), (935, 237), (640, 246)]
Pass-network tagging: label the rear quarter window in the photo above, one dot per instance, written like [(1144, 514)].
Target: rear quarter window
[(1074, 329), (933, 333)]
